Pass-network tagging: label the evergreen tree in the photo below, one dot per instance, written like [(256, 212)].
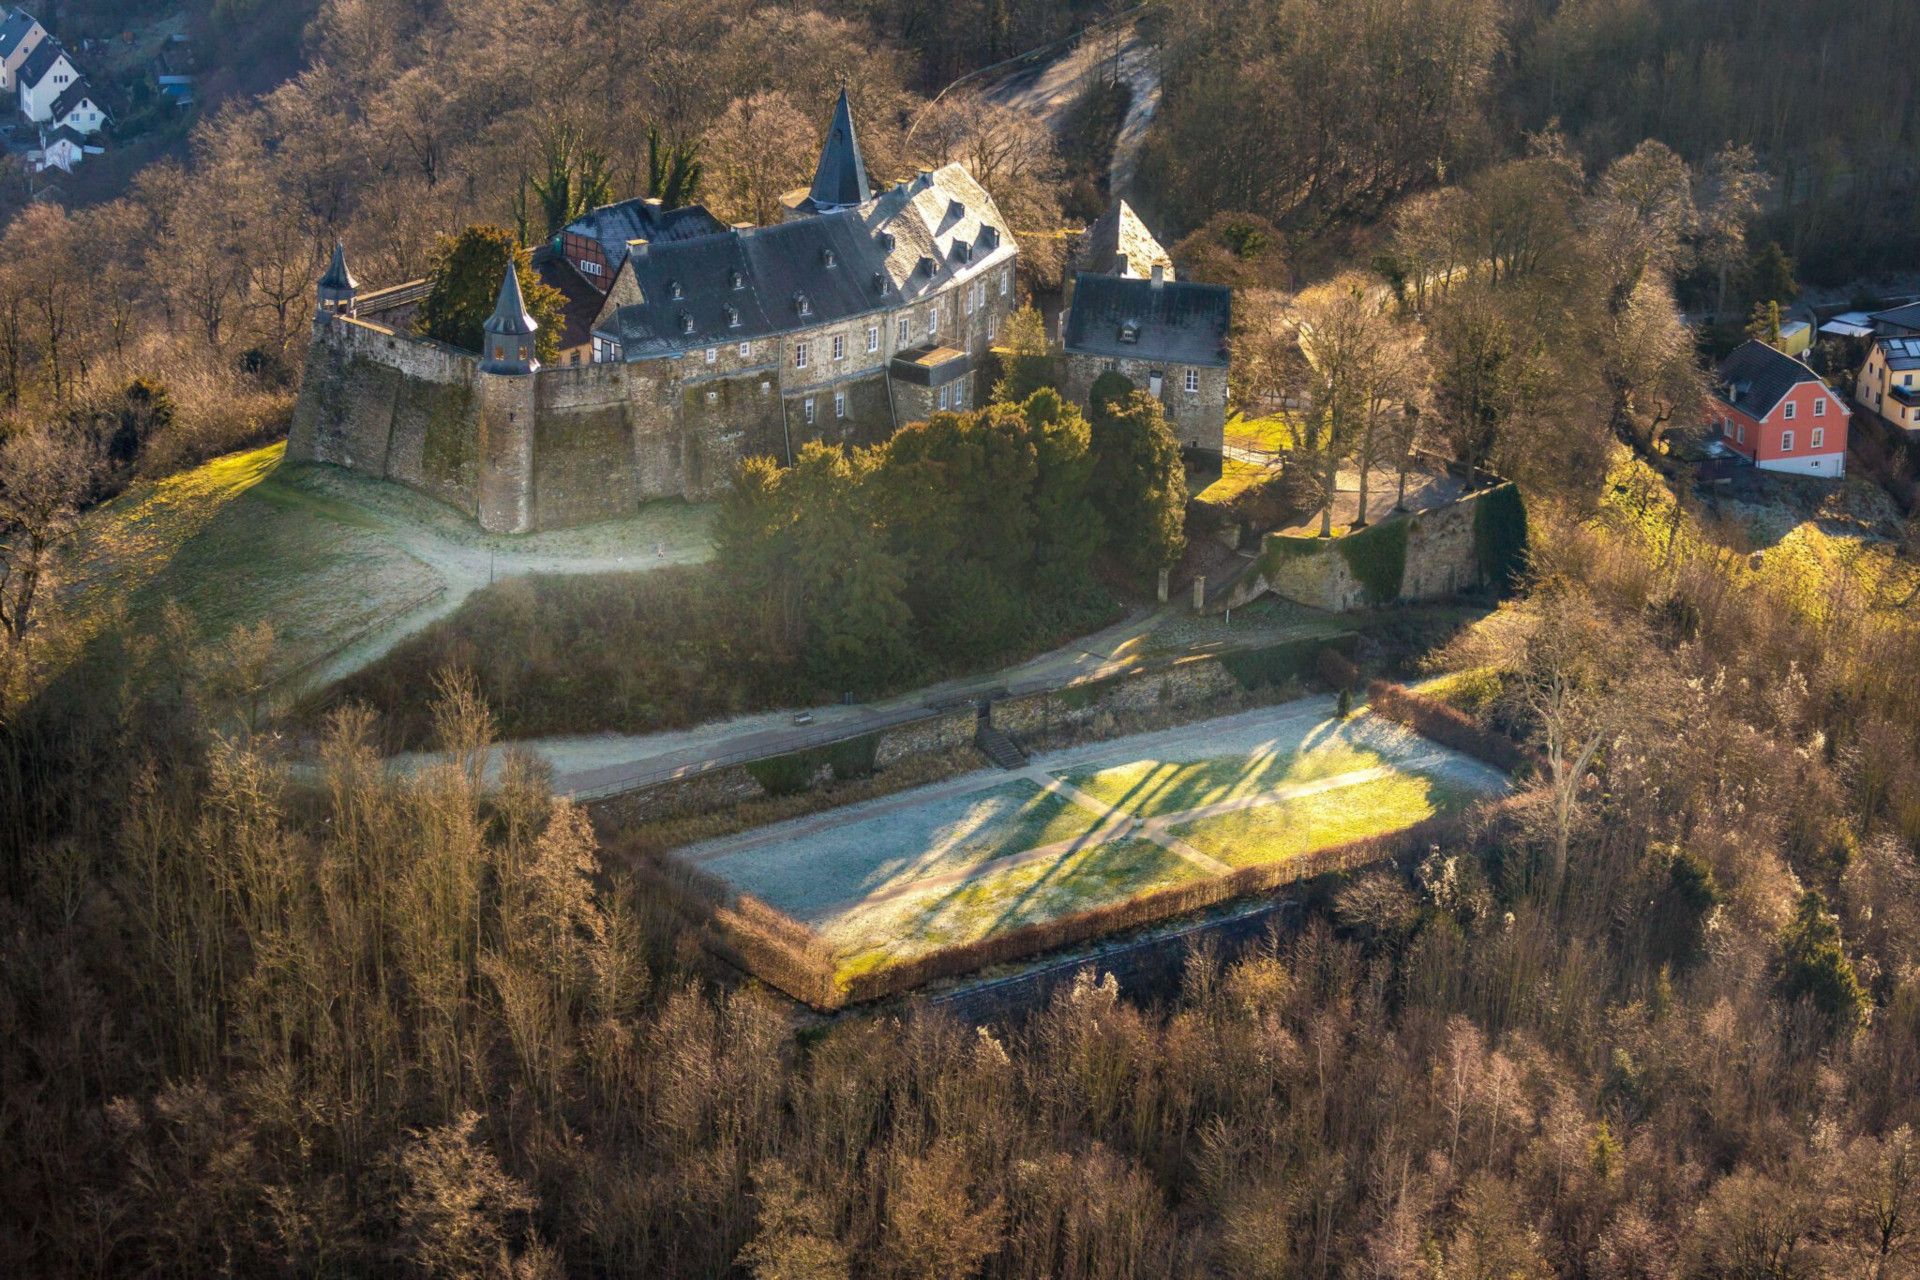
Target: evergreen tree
[(1139, 485), (1815, 967), (1764, 324), (463, 284), (1772, 275), (1067, 529), (674, 170), (1025, 364)]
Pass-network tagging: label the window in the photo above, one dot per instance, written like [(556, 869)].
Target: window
[(839, 347), (1740, 433), (906, 331), (713, 354), (993, 325), (591, 268), (1820, 407), (1786, 442), (1154, 382), (713, 397), (969, 299), (1817, 437), (873, 338), (943, 397), (1788, 415), (839, 404), (806, 407), (960, 395), (933, 321), (800, 357), (1193, 382), (746, 350), (1006, 278)]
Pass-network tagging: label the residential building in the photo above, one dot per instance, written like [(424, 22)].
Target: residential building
[(43, 77), (1886, 386), (75, 109), (1128, 315), (20, 35), (1778, 414)]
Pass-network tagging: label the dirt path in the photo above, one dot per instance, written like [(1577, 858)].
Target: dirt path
[(1049, 92)]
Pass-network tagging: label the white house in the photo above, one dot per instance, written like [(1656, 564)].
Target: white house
[(61, 149), (75, 109), (43, 77), (20, 35)]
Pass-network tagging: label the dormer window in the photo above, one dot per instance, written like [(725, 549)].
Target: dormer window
[(686, 324), (733, 317), (885, 240), (925, 266), (674, 290), (955, 211), (801, 304), (1130, 331), (879, 282), (963, 251), (736, 281), (826, 257)]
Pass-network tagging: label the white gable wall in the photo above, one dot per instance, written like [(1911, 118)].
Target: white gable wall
[(36, 100), (10, 65)]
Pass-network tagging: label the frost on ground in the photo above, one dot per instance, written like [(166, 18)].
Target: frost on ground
[(899, 877)]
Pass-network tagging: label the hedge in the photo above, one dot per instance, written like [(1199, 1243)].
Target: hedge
[(1447, 726), (1282, 661), (1500, 536), (794, 772)]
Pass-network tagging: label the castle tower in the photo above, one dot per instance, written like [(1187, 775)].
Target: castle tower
[(840, 180), (337, 287), (507, 344)]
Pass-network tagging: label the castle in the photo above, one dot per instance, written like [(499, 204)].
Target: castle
[(689, 345)]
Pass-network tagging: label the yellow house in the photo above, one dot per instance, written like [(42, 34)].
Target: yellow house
[(1887, 381)]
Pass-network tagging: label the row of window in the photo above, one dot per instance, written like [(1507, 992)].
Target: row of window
[(1819, 409), (1815, 440), (803, 351)]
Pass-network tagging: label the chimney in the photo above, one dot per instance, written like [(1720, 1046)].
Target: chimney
[(1122, 265), (1159, 275)]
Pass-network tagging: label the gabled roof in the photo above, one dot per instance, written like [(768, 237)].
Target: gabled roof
[(1901, 319), (1755, 378), (1901, 354), (17, 27), (840, 179), (62, 133), (1176, 321), (1119, 234), (510, 316), (40, 61), (755, 282), (72, 96), (617, 226)]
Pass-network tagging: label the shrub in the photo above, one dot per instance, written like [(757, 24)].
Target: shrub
[(1446, 726)]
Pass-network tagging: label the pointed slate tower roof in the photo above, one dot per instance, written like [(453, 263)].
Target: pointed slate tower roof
[(510, 316), (841, 178), (338, 277)]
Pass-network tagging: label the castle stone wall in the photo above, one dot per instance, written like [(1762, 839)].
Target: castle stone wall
[(1198, 419)]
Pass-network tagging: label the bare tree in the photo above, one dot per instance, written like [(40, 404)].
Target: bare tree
[(44, 476)]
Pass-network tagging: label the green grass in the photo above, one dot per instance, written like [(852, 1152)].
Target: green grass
[(232, 542), (907, 927), (1150, 787), (1273, 433), (1236, 477), (1289, 828)]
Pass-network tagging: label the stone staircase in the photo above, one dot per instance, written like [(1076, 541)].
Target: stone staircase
[(998, 747)]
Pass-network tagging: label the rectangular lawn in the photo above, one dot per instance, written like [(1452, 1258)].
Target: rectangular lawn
[(1272, 832)]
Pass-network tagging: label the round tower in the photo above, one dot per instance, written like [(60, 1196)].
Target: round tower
[(337, 288), (507, 345)]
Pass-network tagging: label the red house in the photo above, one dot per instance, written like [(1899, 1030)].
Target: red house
[(1778, 414)]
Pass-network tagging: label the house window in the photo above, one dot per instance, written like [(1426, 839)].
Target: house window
[(1786, 442), (1740, 433), (713, 397), (806, 407), (993, 325), (873, 338), (1788, 415), (1820, 408), (960, 395), (746, 350), (590, 268), (839, 347), (943, 397), (713, 354), (933, 321), (1817, 438), (839, 404), (800, 358), (1154, 382), (1193, 382), (1006, 278), (969, 299), (906, 331)]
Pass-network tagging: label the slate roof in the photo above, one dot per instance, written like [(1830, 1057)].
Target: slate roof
[(1179, 322), (337, 275), (1902, 354), (19, 22), (1905, 318), (71, 97), (63, 133), (510, 311), (583, 300), (1755, 378), (1120, 233), (39, 62), (617, 226), (840, 179), (741, 284)]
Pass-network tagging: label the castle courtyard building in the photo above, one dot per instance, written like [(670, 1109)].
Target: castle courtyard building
[(858, 314)]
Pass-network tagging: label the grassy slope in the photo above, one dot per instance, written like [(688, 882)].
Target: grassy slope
[(235, 541)]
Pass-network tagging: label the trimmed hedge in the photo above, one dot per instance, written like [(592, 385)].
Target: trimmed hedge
[(1377, 556), (1283, 661), (794, 772), (1448, 727), (1500, 536)]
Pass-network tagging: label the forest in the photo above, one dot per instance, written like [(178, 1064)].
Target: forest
[(262, 1015)]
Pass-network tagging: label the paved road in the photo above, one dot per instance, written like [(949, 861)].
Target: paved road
[(1048, 92)]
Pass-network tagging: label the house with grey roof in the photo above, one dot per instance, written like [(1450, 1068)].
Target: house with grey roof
[(864, 310), (20, 35), (1778, 414), (1127, 314), (74, 108), (1889, 381), (46, 74)]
